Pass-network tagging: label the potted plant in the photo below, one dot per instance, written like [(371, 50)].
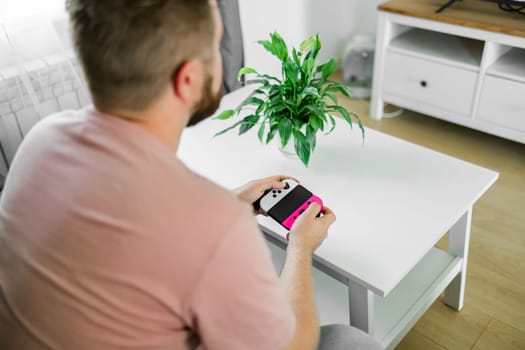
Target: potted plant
[(298, 105)]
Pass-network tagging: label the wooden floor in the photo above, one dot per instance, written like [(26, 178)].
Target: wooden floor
[(494, 312)]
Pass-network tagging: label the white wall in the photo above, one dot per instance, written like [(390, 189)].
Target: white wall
[(334, 20), (18, 9), (260, 18), (28, 24)]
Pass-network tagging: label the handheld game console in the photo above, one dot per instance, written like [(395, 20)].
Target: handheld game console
[(287, 204)]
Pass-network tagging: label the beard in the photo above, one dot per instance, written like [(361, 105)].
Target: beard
[(208, 103)]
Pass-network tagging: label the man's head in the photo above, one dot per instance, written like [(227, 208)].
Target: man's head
[(133, 51)]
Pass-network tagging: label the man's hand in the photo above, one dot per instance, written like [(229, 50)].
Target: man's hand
[(309, 231), (253, 190)]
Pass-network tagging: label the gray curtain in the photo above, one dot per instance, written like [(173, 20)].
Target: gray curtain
[(232, 49)]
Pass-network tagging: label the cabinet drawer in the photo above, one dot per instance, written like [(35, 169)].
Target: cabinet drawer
[(502, 102), (435, 84)]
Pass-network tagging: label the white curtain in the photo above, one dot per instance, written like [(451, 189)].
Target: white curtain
[(39, 74)]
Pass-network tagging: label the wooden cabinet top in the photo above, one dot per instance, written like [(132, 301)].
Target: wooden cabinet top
[(471, 13)]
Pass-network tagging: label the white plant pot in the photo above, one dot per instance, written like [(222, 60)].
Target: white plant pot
[(289, 150)]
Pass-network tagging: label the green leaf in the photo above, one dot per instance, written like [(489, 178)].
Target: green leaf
[(250, 101), (269, 77), (275, 108), (316, 122), (228, 129), (307, 67), (268, 46), (227, 114), (271, 133), (297, 123), (332, 121), (256, 81), (247, 123), (359, 123), (302, 147), (336, 87), (333, 98), (313, 109), (311, 137), (362, 128), (277, 47), (285, 131), (290, 72), (344, 113), (317, 47), (244, 71), (260, 91), (311, 91), (329, 68), (295, 56), (280, 46), (308, 44), (260, 134)]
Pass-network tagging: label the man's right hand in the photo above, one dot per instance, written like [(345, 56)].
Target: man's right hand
[(309, 231)]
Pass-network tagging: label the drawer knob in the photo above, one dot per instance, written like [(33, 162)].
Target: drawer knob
[(423, 83)]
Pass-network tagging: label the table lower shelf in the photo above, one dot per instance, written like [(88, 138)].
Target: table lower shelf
[(400, 310), (395, 314)]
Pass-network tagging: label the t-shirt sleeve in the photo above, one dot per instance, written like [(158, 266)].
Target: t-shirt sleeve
[(238, 302)]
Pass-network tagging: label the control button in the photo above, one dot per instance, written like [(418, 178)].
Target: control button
[(279, 191), (286, 185), (274, 196)]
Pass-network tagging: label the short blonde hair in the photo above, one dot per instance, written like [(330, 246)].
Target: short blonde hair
[(130, 49)]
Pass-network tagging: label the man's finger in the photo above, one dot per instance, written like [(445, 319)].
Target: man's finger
[(328, 215), (278, 184), (314, 207), (285, 177)]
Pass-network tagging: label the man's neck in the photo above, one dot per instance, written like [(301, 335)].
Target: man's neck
[(167, 127)]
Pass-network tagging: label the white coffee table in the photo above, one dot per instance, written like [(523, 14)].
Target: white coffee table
[(393, 200)]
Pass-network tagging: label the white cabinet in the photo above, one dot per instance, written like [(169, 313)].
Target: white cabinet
[(429, 83), (468, 73), (502, 99), (502, 102)]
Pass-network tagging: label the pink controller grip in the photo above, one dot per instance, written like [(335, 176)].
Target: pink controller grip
[(289, 221)]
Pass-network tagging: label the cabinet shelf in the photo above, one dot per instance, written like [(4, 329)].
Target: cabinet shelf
[(445, 48), (510, 66)]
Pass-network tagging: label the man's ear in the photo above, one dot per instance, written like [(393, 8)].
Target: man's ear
[(187, 81)]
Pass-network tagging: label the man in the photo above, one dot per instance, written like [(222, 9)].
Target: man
[(107, 241)]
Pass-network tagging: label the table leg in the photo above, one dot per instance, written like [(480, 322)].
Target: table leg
[(361, 304), (458, 244), (384, 32)]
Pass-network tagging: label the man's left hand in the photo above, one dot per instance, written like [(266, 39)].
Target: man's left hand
[(253, 190)]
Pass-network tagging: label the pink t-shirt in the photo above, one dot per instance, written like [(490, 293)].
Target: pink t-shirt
[(107, 241)]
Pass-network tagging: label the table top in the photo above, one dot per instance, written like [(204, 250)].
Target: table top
[(470, 13), (393, 199)]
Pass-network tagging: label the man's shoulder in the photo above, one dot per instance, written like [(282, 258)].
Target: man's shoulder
[(55, 122), (213, 201), (44, 137)]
